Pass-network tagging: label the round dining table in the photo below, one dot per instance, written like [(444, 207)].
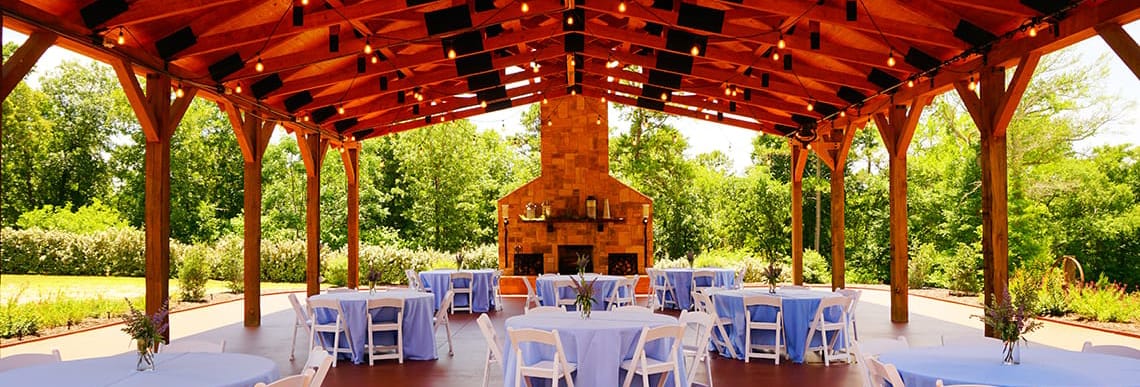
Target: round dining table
[(419, 336), (597, 345), (190, 369), (682, 281), (439, 281), (799, 307), (602, 288), (981, 363)]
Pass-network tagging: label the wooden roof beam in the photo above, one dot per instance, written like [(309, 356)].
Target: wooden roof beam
[(1121, 43), (591, 91), (418, 123), (453, 104), (702, 106), (145, 11), (21, 62)]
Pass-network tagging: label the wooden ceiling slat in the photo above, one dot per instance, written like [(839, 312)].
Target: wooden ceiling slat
[(418, 123), (593, 92), (145, 11)]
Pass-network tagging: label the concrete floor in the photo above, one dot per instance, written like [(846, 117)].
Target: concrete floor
[(930, 321)]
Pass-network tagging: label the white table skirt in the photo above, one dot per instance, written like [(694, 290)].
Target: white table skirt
[(171, 370)]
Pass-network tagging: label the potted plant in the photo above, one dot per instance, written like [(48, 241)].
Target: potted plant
[(1011, 319), (147, 331), (772, 275)]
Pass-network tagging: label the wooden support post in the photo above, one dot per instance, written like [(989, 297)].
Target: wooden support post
[(896, 132), (313, 149), (799, 160), (253, 138), (159, 117), (22, 61), (351, 158), (1124, 46), (838, 241), (992, 112)]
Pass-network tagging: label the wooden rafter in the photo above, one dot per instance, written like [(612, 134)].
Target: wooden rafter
[(22, 61), (1121, 43)]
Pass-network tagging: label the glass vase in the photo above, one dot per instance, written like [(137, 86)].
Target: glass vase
[(146, 356), (584, 309), (372, 288), (772, 288), (1011, 350)]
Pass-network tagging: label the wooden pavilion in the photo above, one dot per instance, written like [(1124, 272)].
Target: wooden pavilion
[(337, 72)]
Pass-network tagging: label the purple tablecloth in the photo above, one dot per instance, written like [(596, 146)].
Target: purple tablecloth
[(597, 346), (682, 280), (419, 339), (602, 290), (440, 282), (1040, 366), (799, 309)]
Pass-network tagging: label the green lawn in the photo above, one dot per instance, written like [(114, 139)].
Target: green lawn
[(20, 288)]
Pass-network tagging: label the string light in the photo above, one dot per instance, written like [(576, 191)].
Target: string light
[(569, 20), (121, 40), (375, 59), (549, 123), (891, 59), (775, 56), (781, 44), (842, 113), (665, 96), (973, 84), (367, 46), (451, 53), (304, 2), (259, 66), (544, 101), (525, 7), (604, 99), (340, 109), (621, 7), (696, 50), (910, 83), (178, 91), (237, 89), (811, 106), (599, 120), (483, 104), (1032, 32), (305, 118)]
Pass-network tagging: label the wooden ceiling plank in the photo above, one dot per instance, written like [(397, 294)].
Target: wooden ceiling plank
[(145, 11), (21, 62), (418, 123), (602, 85), (1002, 7)]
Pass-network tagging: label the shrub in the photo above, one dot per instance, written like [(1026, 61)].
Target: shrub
[(283, 261), (1052, 298), (816, 269), (961, 271), (335, 268), (193, 272), (1107, 303), (110, 252), (230, 264), (921, 266), (88, 219)]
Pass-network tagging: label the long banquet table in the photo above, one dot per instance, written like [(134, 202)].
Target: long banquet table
[(602, 289), (190, 369), (419, 338), (682, 281), (440, 282), (598, 345), (799, 307), (981, 363)]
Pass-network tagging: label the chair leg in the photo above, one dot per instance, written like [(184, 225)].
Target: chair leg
[(826, 353), (747, 344), (399, 344), (371, 347), (487, 367), (776, 351), (447, 328), (293, 343), (336, 347), (708, 370)]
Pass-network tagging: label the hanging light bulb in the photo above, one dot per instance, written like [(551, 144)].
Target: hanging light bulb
[(775, 56), (340, 109), (259, 66), (734, 91), (451, 53), (598, 121), (706, 116), (121, 40), (178, 91), (304, 2), (367, 46), (621, 6), (604, 98), (1032, 32), (570, 20), (842, 113), (442, 118), (811, 106), (525, 7), (544, 101), (375, 59), (573, 62), (891, 59), (549, 123), (781, 44), (910, 83), (696, 50), (237, 89), (665, 96), (305, 118), (972, 85), (483, 104)]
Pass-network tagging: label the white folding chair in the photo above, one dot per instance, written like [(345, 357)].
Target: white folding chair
[(622, 285), (819, 324), (387, 325), (531, 296), (442, 319), (494, 349), (653, 302), (703, 279), (179, 346), (545, 309), (633, 309), (884, 375), (301, 321), (319, 361), (1114, 350), (554, 369), (663, 291), (461, 284), (414, 280), (336, 327), (28, 359), (776, 325), (496, 277), (854, 295), (695, 345), (559, 285), (302, 380), (865, 349), (644, 365), (721, 340)]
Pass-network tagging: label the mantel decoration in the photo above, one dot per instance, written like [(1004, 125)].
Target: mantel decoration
[(584, 290), (147, 331), (772, 275), (1011, 319)]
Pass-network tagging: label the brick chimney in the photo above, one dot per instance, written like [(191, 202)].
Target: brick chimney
[(575, 166)]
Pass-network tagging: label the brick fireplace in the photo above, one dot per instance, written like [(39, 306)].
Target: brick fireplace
[(575, 168)]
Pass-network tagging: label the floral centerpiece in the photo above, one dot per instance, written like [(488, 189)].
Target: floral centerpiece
[(772, 275), (373, 277), (690, 257), (583, 289), (147, 331), (459, 261), (1011, 319)]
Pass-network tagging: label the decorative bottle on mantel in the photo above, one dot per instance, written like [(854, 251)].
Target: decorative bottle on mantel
[(606, 209), (591, 207)]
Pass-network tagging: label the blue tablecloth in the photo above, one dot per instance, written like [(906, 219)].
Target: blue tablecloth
[(171, 369), (419, 338), (597, 345), (682, 280), (440, 282), (602, 289), (1040, 366), (799, 309)]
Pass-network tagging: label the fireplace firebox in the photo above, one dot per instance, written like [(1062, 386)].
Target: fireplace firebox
[(568, 258), (528, 263), (622, 264)]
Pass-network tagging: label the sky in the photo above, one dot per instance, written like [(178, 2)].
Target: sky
[(704, 136)]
